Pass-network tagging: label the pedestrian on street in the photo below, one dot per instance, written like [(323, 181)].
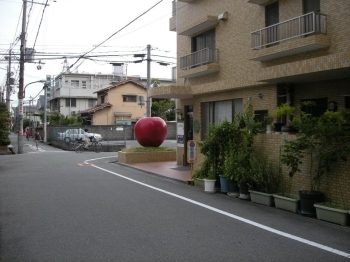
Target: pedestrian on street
[(28, 134), (37, 139)]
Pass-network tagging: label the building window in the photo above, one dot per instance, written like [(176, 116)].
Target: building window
[(71, 102), (131, 98), (272, 18), (347, 102), (102, 99), (74, 83), (92, 102), (216, 112), (207, 39), (83, 84), (311, 6), (321, 106)]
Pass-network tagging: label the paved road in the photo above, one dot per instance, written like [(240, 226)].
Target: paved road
[(64, 206)]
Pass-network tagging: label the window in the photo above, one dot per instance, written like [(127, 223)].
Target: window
[(102, 99), (83, 84), (216, 112), (272, 18), (74, 83), (311, 6), (317, 110), (92, 102), (129, 98), (207, 39), (347, 102), (71, 102)]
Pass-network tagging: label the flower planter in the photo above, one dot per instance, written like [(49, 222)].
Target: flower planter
[(307, 201), (223, 184), (330, 214), (199, 182), (287, 202), (243, 191), (261, 198), (233, 189), (209, 185)]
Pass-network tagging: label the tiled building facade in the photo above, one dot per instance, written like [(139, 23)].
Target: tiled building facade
[(260, 52)]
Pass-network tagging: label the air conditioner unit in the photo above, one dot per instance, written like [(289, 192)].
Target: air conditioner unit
[(73, 113)]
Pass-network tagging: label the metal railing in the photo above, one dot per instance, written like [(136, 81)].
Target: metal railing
[(201, 57), (311, 23)]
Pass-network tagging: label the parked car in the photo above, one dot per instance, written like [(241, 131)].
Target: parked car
[(76, 133)]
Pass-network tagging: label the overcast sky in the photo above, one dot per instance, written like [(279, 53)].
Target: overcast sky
[(74, 27)]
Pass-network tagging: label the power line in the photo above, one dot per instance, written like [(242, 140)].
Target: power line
[(116, 33)]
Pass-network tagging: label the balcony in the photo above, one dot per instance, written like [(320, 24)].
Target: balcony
[(258, 2), (205, 23), (172, 91), (202, 62), (308, 33), (172, 21)]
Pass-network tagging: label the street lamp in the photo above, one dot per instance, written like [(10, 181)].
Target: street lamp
[(20, 115)]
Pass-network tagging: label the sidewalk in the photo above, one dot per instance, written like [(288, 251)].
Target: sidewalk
[(167, 169)]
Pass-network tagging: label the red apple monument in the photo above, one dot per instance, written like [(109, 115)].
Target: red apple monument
[(150, 131)]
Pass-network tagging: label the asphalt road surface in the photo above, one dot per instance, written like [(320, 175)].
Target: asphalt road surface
[(64, 206)]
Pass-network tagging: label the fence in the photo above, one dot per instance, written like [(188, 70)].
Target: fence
[(113, 139)]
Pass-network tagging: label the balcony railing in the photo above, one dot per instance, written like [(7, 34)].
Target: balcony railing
[(201, 57), (308, 24)]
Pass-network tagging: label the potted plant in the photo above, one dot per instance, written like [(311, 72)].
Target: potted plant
[(283, 114), (4, 126), (268, 122), (237, 162), (214, 150), (326, 142), (265, 180)]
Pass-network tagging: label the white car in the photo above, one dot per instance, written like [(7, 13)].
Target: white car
[(76, 133)]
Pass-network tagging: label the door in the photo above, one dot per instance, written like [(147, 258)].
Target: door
[(188, 132), (272, 18)]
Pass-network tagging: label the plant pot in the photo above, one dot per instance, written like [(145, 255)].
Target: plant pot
[(307, 201), (209, 185), (285, 129), (261, 198), (244, 191), (331, 214), (223, 184), (278, 127), (287, 202), (199, 182), (268, 129), (233, 189)]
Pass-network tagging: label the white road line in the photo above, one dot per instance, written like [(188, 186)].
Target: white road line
[(278, 232)]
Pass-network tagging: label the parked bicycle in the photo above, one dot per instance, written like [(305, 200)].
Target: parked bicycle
[(94, 145)]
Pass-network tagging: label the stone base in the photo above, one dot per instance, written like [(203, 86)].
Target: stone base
[(146, 157)]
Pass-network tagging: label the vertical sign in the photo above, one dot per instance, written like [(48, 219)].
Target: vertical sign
[(180, 134), (48, 83), (191, 151)]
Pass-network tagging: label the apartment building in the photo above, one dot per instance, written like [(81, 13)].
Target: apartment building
[(262, 52)]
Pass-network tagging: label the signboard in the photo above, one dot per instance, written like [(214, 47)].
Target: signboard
[(180, 134), (191, 151)]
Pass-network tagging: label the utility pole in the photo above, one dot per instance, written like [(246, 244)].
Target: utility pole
[(45, 113), (148, 79), (8, 90), (21, 79)]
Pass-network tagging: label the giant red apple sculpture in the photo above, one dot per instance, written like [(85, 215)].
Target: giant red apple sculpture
[(150, 131)]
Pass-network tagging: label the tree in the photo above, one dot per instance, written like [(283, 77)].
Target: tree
[(57, 119), (4, 125), (163, 108)]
